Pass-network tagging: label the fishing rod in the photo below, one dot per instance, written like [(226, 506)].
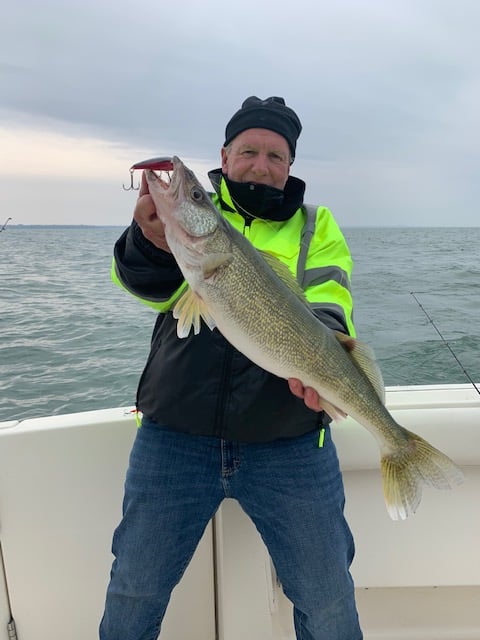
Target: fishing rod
[(5, 224), (412, 293)]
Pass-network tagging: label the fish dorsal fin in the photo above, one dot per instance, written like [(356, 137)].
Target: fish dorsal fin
[(285, 275), (364, 357), (188, 311)]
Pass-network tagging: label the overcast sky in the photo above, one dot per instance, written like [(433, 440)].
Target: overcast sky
[(388, 92)]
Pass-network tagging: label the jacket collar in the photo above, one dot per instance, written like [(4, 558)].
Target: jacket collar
[(258, 201)]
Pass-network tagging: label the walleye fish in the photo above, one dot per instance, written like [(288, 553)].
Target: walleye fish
[(257, 305)]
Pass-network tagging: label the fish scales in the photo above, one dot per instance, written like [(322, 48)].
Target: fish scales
[(255, 303), (296, 344)]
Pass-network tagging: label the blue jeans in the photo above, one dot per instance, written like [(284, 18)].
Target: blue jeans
[(291, 489)]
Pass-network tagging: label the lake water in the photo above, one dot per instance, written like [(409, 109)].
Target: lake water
[(72, 341)]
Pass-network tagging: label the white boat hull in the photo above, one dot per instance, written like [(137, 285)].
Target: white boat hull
[(61, 485)]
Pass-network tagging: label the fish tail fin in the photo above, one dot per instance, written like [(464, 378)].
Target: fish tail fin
[(406, 470)]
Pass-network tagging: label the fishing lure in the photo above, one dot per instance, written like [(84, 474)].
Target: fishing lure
[(163, 163)]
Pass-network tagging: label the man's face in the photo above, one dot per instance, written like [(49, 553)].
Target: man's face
[(257, 155)]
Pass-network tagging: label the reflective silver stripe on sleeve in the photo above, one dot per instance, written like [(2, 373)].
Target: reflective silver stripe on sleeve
[(307, 234), (324, 274), (143, 296), (334, 310)]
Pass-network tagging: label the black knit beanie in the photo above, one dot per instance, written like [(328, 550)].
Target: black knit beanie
[(271, 113)]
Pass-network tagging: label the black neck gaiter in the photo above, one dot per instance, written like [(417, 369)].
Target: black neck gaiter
[(254, 200)]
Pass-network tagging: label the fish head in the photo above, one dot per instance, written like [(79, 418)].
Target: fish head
[(182, 204)]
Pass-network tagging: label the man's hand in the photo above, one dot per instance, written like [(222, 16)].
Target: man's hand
[(310, 396), (145, 215)]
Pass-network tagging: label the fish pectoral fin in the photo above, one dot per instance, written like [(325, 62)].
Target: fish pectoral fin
[(212, 262), (285, 275), (188, 311), (364, 358)]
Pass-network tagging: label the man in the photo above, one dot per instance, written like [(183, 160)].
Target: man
[(216, 425)]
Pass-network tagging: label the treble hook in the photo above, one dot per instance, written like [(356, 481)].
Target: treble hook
[(131, 187), (156, 164)]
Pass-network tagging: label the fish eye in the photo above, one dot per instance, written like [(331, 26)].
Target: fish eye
[(196, 194)]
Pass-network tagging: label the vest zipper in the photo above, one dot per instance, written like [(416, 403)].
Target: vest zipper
[(225, 376), (247, 222)]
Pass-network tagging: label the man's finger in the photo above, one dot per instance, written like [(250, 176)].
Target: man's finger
[(296, 387), (143, 185), (312, 399)]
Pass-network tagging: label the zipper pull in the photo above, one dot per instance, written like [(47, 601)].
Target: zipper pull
[(321, 437)]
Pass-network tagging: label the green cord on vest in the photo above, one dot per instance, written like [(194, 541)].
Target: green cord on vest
[(321, 437)]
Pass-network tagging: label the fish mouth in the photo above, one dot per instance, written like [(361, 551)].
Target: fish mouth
[(181, 181), (188, 206), (178, 177), (173, 186)]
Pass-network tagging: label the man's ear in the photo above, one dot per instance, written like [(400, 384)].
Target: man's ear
[(224, 155)]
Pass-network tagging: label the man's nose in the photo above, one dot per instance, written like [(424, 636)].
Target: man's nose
[(260, 165)]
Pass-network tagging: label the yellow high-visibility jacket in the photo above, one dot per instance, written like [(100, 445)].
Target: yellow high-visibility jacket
[(201, 384)]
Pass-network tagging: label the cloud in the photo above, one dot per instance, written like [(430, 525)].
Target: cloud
[(43, 152), (388, 93), (51, 177)]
